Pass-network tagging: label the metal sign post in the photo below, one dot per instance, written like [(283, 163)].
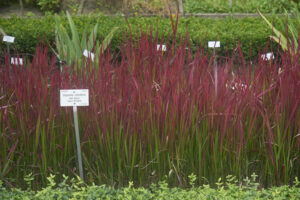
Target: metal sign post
[(8, 40), (214, 45), (74, 98), (78, 142)]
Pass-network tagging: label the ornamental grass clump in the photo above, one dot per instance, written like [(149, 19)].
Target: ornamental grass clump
[(70, 48), (290, 40), (153, 115)]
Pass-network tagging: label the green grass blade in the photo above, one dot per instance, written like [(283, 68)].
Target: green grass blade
[(282, 38)]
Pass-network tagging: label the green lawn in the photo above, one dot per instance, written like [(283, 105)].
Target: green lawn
[(239, 6)]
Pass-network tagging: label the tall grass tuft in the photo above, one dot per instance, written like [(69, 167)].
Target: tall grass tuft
[(153, 115)]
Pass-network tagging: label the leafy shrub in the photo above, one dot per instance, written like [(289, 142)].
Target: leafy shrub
[(49, 5), (239, 6), (228, 189)]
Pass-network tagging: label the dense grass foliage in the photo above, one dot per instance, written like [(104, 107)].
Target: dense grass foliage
[(153, 113), (228, 189), (252, 33)]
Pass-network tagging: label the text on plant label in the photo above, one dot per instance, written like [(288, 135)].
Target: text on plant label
[(89, 54), (268, 56), (161, 47), (8, 39), (16, 61), (214, 44), (78, 97)]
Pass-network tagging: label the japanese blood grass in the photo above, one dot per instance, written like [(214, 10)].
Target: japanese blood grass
[(153, 113)]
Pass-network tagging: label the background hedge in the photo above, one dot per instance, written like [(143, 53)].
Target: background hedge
[(240, 6), (251, 33)]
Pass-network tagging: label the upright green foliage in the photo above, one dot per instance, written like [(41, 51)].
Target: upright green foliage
[(288, 42), (70, 47)]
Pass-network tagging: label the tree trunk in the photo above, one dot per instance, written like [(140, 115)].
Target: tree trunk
[(125, 6), (81, 6), (21, 7)]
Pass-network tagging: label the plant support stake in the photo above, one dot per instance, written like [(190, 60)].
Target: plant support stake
[(215, 73), (8, 40), (74, 98), (78, 142), (214, 45)]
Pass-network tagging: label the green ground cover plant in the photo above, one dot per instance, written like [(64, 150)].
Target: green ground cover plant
[(252, 33), (228, 189), (153, 113)]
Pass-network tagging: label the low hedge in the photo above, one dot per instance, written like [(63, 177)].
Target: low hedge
[(229, 189), (251, 33), (240, 6)]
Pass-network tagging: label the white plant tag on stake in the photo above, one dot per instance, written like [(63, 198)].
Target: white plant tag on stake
[(16, 61), (214, 44), (8, 39), (78, 97), (89, 54), (268, 56), (161, 47)]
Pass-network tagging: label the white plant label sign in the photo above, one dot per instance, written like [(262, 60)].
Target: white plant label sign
[(161, 47), (89, 54), (214, 44), (78, 97), (268, 56), (16, 61), (8, 39)]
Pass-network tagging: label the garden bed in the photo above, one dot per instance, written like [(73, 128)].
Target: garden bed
[(152, 114)]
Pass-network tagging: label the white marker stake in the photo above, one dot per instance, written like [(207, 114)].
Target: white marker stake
[(16, 61), (214, 45), (268, 56), (8, 40), (89, 54), (161, 47), (78, 142), (75, 98)]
